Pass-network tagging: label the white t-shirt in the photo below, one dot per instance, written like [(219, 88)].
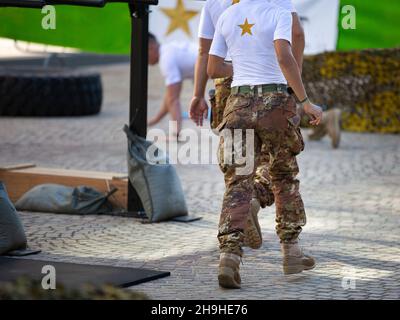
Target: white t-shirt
[(249, 29), (177, 61), (213, 9), (210, 14)]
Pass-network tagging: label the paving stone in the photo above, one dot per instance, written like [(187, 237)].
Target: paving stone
[(352, 199)]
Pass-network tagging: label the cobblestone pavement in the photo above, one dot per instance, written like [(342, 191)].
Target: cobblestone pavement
[(352, 198)]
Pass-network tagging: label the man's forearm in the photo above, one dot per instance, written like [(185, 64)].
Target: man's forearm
[(160, 114), (174, 105), (200, 75), (298, 41), (292, 74), (175, 111)]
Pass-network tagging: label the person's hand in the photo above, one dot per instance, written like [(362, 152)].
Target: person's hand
[(314, 112), (198, 110)]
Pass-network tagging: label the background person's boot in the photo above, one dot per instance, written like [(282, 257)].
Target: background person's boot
[(333, 126), (330, 125), (252, 233), (294, 261), (228, 273)]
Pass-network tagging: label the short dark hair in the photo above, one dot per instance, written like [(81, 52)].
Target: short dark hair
[(152, 37)]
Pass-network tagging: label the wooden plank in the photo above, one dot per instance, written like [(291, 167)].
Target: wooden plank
[(20, 181), (18, 166)]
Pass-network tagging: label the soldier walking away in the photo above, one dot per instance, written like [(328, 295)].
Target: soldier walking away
[(258, 37)]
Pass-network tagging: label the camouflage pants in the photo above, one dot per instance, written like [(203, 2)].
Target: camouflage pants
[(262, 184), (275, 122)]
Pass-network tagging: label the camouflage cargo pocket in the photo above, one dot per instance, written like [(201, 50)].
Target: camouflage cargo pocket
[(294, 120), (220, 156), (237, 114), (274, 109), (294, 135)]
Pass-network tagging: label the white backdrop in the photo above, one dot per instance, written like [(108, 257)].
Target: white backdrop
[(320, 22), (319, 17), (160, 21)]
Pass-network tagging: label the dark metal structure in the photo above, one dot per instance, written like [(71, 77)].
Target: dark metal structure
[(139, 12)]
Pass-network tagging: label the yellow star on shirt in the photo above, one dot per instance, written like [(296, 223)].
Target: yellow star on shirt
[(246, 27), (179, 17)]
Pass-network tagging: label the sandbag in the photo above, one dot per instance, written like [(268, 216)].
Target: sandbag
[(12, 235), (154, 179), (57, 198)]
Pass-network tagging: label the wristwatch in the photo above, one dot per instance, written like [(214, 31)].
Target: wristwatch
[(302, 103)]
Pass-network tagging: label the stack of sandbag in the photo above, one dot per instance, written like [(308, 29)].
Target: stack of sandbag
[(154, 179), (56, 198), (364, 84)]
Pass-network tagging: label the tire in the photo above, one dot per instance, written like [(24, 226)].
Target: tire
[(49, 92)]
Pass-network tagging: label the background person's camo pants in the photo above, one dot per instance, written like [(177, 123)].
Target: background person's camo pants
[(275, 122), (262, 184)]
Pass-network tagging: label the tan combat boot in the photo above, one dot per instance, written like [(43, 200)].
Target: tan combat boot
[(330, 125), (333, 126), (294, 261), (228, 273), (252, 233)]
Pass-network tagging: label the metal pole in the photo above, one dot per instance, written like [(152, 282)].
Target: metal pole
[(138, 83)]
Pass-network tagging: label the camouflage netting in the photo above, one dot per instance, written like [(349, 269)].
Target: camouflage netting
[(26, 289), (364, 84)]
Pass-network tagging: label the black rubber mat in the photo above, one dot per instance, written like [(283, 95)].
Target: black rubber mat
[(75, 275)]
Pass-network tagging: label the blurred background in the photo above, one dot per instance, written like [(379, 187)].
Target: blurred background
[(352, 49), (64, 98)]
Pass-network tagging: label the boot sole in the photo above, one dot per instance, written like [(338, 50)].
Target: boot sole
[(298, 268), (226, 279), (253, 233), (293, 269)]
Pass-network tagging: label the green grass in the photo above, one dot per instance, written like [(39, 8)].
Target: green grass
[(378, 25), (104, 30)]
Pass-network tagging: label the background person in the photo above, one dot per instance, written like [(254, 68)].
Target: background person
[(176, 60)]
